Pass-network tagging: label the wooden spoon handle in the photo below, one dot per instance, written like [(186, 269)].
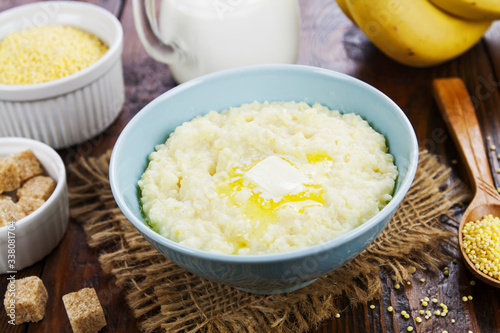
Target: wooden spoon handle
[(460, 117)]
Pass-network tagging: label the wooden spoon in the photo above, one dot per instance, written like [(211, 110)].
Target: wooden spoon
[(460, 117)]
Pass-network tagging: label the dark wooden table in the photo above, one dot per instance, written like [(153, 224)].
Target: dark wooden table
[(331, 41)]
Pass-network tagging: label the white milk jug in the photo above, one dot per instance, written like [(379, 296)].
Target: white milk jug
[(196, 37)]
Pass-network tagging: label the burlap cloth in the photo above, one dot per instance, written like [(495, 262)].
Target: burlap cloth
[(164, 297)]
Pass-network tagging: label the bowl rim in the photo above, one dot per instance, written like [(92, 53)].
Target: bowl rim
[(39, 148), (63, 85), (275, 257)]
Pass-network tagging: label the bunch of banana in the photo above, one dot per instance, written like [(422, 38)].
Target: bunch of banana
[(476, 10), (422, 33)]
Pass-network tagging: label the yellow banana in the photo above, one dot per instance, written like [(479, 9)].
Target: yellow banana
[(343, 7), (478, 10), (415, 32)]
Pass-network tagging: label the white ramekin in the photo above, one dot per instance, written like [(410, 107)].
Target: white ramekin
[(36, 235), (74, 108)]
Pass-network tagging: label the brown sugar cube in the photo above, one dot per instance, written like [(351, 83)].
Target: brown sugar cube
[(29, 166), (28, 204), (5, 197), (25, 300), (84, 311), (9, 175), (9, 211), (40, 187)]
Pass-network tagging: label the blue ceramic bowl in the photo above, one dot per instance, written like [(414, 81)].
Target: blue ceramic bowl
[(274, 273)]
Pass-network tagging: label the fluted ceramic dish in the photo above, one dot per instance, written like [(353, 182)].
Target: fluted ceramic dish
[(273, 273), (74, 108), (33, 237)]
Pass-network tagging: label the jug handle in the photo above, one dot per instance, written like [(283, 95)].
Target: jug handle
[(149, 35)]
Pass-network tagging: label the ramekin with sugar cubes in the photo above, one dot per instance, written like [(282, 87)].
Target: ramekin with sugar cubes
[(27, 239)]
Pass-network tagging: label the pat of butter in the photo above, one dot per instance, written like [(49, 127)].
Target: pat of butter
[(276, 176)]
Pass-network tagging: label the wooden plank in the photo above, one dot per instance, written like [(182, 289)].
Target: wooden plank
[(6, 4), (114, 6), (334, 42), (5, 326), (492, 39), (488, 86), (81, 269), (329, 40)]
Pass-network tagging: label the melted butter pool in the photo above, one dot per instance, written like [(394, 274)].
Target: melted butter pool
[(261, 211)]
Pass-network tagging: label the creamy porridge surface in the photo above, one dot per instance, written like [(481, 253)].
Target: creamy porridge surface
[(266, 178)]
